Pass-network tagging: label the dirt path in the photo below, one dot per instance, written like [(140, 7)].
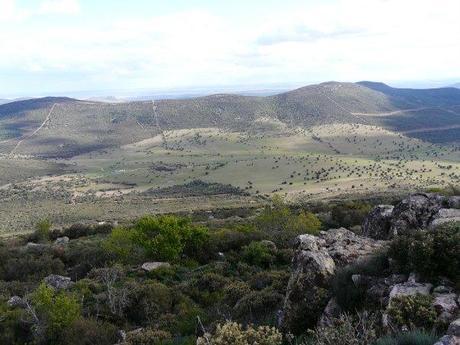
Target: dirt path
[(154, 108), (34, 132), (431, 129), (401, 111)]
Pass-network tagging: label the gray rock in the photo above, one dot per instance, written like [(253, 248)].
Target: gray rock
[(448, 340), (62, 240), (453, 202), (409, 289), (445, 215), (58, 282), (441, 289), (331, 312), (415, 213), (378, 223), (152, 266), (16, 301), (314, 264), (454, 328), (446, 303)]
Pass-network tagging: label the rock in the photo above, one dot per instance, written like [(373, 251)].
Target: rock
[(269, 244), (58, 282), (442, 290), (314, 264), (16, 301), (448, 340), (331, 312), (454, 328), (446, 303), (378, 223), (62, 240), (415, 213), (409, 289), (445, 215), (152, 266), (453, 202)]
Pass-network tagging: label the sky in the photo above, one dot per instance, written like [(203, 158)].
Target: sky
[(66, 46)]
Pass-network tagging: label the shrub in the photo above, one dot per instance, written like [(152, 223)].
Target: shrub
[(258, 306), (277, 280), (227, 239), (159, 238), (258, 254), (56, 311), (234, 291), (235, 334), (409, 338), (147, 336), (42, 230), (414, 311), (433, 253), (89, 332), (346, 330), (282, 225), (349, 214)]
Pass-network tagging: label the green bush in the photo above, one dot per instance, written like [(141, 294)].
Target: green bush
[(409, 338), (430, 253), (232, 239), (349, 214), (258, 254), (159, 238), (258, 307), (282, 225), (42, 231), (414, 311), (90, 332)]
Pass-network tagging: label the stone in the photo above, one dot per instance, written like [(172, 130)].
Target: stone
[(448, 340), (409, 289), (445, 215), (453, 202), (446, 303), (454, 328), (16, 301), (315, 261), (415, 213), (152, 266), (62, 240), (378, 222), (58, 282), (331, 312)]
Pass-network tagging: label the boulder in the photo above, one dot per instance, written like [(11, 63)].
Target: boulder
[(454, 328), (378, 222), (446, 306), (409, 288), (58, 282), (415, 212), (62, 240), (314, 264), (453, 202), (16, 301), (445, 215), (448, 340), (331, 312), (152, 266)]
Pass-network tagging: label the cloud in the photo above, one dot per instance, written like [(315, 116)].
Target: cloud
[(59, 7)]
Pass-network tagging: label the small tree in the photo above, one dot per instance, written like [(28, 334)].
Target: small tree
[(42, 230)]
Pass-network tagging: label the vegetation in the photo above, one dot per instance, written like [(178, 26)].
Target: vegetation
[(413, 311)]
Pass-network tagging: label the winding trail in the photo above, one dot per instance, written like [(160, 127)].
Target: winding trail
[(154, 108), (24, 137)]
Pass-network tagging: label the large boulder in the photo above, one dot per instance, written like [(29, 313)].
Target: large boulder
[(453, 335), (315, 262), (152, 266), (415, 212), (378, 222)]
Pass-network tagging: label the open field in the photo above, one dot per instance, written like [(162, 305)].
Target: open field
[(120, 183)]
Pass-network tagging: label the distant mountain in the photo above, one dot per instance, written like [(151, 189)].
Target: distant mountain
[(456, 85), (74, 126)]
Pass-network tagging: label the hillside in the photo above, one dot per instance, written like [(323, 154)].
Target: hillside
[(75, 127)]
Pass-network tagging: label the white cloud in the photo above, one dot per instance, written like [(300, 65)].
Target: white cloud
[(342, 40), (59, 7)]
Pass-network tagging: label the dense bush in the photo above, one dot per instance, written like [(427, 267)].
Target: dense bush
[(282, 225), (258, 307), (158, 238), (431, 253), (90, 332), (259, 254), (414, 311), (349, 214)]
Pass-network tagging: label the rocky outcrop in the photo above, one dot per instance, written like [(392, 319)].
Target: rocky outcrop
[(418, 211), (314, 264), (60, 241), (58, 282), (378, 223)]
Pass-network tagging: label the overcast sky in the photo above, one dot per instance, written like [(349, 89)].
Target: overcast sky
[(50, 46)]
